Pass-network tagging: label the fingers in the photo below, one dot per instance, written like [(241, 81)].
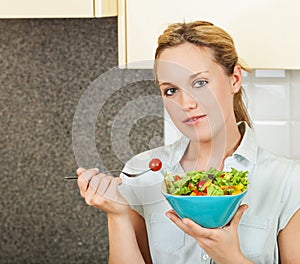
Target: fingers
[(238, 215), (193, 229), (217, 242), (104, 182), (79, 171), (97, 187), (112, 192), (100, 188), (84, 178), (188, 226)]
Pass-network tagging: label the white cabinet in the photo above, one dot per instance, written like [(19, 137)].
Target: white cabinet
[(265, 31), (57, 8), (105, 8)]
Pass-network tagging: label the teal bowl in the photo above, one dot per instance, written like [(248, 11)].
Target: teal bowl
[(207, 211)]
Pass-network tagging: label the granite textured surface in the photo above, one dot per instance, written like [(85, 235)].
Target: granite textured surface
[(47, 65)]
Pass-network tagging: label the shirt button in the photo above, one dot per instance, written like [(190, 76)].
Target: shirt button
[(205, 257)]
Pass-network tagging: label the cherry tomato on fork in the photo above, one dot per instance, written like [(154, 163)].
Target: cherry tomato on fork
[(155, 164)]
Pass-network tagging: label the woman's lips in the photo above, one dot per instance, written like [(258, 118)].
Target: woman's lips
[(194, 119)]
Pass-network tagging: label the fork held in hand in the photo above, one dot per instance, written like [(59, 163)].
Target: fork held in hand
[(154, 165)]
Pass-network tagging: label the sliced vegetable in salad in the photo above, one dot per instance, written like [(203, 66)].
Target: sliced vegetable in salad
[(211, 182)]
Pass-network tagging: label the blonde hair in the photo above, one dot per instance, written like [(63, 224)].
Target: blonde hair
[(219, 42)]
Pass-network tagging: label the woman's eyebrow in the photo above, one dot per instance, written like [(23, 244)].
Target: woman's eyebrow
[(197, 74), (165, 83), (190, 77)]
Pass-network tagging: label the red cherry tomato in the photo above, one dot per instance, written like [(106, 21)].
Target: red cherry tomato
[(177, 178), (155, 164)]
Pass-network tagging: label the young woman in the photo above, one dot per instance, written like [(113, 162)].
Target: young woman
[(199, 75)]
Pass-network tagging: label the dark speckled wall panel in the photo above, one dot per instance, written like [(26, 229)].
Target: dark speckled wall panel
[(46, 66)]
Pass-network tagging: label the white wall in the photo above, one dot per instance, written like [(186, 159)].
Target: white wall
[(273, 99)]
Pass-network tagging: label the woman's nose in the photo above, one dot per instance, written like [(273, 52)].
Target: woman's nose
[(188, 102)]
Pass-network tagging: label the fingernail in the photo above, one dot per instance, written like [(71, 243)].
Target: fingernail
[(185, 221), (244, 209), (170, 216), (119, 180), (96, 169)]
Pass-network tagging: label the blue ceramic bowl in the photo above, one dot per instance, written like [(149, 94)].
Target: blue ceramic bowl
[(207, 211)]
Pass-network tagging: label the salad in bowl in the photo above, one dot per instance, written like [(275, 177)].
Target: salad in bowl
[(210, 198), (211, 182)]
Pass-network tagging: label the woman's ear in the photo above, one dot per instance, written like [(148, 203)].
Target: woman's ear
[(236, 79)]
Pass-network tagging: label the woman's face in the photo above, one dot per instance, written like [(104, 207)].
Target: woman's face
[(197, 93)]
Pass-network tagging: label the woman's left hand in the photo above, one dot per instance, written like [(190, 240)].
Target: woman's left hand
[(221, 244)]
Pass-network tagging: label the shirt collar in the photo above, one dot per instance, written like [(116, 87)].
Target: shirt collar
[(247, 148), (173, 154)]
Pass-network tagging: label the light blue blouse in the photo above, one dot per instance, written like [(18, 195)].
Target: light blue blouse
[(273, 197)]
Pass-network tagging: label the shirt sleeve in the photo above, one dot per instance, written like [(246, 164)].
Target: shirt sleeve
[(291, 196), (129, 193)]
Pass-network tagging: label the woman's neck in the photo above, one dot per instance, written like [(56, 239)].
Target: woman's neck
[(204, 155)]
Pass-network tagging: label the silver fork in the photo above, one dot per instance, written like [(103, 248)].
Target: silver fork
[(120, 171)]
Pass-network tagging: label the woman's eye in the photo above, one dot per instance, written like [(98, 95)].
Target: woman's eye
[(170, 91), (200, 83)]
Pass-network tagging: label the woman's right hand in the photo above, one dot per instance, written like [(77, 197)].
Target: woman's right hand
[(101, 191)]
